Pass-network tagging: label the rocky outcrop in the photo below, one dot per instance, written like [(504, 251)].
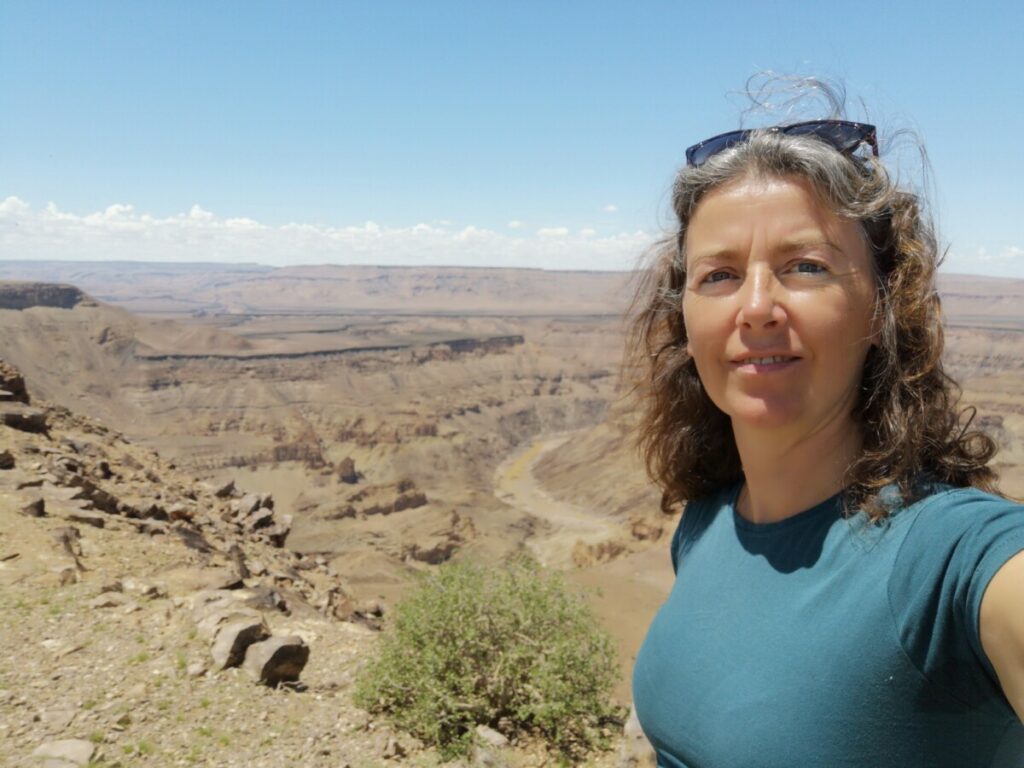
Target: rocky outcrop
[(441, 544), (84, 477), (381, 500), (22, 417), (12, 385), (585, 555), (347, 471), (23, 295)]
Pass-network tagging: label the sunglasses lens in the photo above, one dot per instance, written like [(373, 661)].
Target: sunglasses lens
[(698, 153), (842, 136)]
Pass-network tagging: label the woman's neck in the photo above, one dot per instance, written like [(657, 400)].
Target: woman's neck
[(786, 475)]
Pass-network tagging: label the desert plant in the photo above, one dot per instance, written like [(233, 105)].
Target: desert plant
[(511, 648)]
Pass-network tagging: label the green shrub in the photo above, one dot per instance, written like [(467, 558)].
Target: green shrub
[(507, 647)]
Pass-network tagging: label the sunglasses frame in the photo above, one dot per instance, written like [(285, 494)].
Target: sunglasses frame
[(860, 133)]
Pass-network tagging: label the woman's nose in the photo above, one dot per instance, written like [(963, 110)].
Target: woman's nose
[(759, 306)]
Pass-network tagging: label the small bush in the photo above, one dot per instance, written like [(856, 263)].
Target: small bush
[(508, 647)]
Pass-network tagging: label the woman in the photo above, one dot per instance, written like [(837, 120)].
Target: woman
[(849, 589)]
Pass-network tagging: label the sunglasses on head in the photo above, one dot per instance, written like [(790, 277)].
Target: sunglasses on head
[(843, 135)]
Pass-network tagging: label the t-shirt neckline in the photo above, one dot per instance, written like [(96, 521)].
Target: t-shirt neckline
[(828, 507)]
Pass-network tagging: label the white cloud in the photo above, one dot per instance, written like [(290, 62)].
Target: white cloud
[(610, 208), (515, 224), (243, 224), (12, 206), (1005, 261), (120, 232), (195, 214), (553, 231)]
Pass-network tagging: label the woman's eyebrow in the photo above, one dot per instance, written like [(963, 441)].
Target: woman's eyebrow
[(716, 254), (798, 244)]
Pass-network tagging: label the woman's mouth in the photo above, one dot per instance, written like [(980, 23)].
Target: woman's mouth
[(765, 362)]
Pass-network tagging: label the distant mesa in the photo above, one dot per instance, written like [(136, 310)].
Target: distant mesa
[(24, 295)]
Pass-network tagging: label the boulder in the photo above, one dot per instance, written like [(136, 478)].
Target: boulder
[(58, 719), (261, 518), (210, 625), (35, 508), (6, 460), (180, 511), (193, 539), (246, 505), (208, 601), (224, 490), (262, 598), (181, 581), (409, 500), (150, 527), (22, 417), (484, 756), (347, 471), (279, 533), (12, 383), (113, 600), (490, 736), (277, 660), (144, 509), (95, 519), (234, 638), (391, 748), (143, 588), (65, 753)]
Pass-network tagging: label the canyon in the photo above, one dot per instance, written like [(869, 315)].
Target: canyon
[(406, 416)]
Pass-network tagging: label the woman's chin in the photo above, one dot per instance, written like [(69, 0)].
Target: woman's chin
[(761, 415)]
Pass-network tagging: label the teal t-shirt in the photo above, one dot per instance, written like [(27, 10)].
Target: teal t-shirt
[(824, 641)]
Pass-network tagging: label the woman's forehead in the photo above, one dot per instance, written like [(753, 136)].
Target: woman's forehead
[(781, 203), (784, 213)]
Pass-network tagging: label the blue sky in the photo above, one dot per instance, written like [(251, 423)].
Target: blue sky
[(528, 133)]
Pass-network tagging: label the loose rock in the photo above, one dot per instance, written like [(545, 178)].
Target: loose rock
[(234, 638), (277, 660), (35, 508), (636, 751), (64, 753), (491, 736)]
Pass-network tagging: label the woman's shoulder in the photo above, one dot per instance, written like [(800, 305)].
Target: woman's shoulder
[(959, 507), (961, 531)]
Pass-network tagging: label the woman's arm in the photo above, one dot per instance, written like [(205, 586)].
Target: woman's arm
[(1001, 626)]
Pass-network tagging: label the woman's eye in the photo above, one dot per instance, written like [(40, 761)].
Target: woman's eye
[(717, 276), (810, 268)]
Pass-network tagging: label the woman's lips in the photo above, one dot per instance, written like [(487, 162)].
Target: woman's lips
[(761, 363)]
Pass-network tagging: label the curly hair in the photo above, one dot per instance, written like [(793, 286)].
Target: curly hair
[(914, 432)]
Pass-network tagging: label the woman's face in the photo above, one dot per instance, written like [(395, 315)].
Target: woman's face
[(778, 305)]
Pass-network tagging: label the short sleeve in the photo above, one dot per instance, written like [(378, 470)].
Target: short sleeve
[(697, 515), (957, 542)]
